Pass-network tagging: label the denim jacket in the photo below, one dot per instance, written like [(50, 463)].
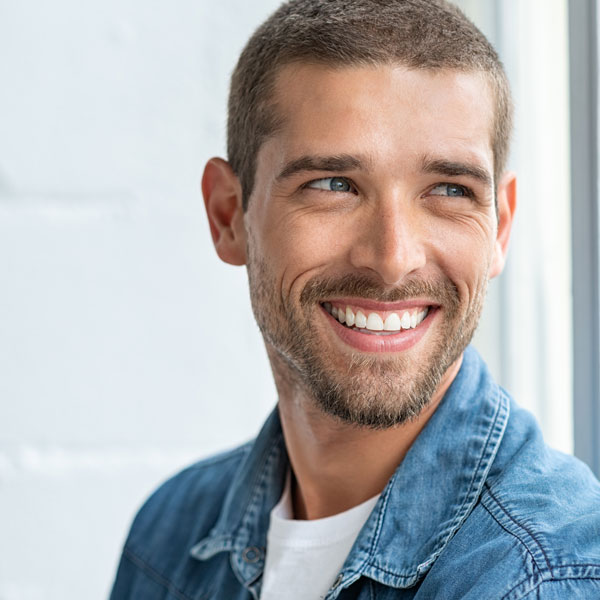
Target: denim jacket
[(479, 509)]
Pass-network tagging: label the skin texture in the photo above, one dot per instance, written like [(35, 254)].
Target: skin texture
[(391, 231)]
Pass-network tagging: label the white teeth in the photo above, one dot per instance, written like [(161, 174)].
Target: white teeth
[(375, 322), (392, 323), (361, 320), (405, 321), (349, 317)]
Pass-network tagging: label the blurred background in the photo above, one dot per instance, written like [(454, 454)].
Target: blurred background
[(127, 350)]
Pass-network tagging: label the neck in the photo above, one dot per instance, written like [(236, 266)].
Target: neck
[(337, 465)]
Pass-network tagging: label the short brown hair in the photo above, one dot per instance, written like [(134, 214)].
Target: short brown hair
[(420, 34)]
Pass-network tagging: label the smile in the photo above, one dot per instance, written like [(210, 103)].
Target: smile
[(366, 327), (379, 322)]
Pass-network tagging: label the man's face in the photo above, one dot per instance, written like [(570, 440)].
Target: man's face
[(372, 233)]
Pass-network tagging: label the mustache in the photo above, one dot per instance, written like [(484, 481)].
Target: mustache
[(442, 292)]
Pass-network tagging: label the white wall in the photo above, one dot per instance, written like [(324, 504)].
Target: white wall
[(126, 349), (537, 292)]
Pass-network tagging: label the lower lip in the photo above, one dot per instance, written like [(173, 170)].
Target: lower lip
[(367, 342)]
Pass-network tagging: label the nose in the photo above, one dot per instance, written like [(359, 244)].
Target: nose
[(391, 242)]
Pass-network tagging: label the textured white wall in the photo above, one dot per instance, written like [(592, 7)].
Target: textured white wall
[(127, 350)]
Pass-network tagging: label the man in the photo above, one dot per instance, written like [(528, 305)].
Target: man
[(365, 193)]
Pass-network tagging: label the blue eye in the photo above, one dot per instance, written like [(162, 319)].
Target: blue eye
[(331, 184), (450, 189)]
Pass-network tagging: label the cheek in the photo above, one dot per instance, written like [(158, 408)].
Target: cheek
[(298, 247), (463, 251)]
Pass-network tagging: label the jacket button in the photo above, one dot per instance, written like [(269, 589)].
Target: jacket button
[(337, 582), (252, 554)]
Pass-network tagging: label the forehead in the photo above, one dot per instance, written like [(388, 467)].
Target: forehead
[(390, 112)]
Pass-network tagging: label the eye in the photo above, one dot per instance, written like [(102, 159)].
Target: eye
[(332, 184), (453, 190)]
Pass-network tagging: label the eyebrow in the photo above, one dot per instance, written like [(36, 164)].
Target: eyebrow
[(339, 163), (455, 169), (347, 162)]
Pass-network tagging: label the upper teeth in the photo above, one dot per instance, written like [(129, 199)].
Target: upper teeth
[(374, 321)]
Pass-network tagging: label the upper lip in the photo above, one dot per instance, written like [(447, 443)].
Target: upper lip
[(380, 306)]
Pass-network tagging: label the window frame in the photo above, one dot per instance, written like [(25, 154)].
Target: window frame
[(583, 78)]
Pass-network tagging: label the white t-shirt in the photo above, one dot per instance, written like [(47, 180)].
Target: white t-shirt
[(304, 558)]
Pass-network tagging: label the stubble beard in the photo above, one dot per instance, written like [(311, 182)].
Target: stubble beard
[(369, 391)]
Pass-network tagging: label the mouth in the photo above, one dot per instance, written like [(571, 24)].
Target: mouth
[(377, 322), (374, 327)]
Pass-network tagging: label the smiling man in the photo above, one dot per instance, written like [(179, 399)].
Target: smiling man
[(365, 193)]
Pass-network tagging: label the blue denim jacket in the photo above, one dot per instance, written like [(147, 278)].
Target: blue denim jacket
[(480, 509)]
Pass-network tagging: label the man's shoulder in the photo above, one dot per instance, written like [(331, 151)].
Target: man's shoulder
[(535, 532), (156, 556), (550, 502), (549, 521), (552, 496), (186, 506)]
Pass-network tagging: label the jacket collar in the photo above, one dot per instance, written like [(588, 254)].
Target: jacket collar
[(425, 502), (244, 520)]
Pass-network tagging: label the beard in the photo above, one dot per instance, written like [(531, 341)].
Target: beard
[(368, 390)]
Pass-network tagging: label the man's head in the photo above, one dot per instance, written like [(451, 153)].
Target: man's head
[(419, 34), (371, 229)]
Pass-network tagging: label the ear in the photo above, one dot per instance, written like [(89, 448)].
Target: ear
[(223, 201), (507, 203)]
